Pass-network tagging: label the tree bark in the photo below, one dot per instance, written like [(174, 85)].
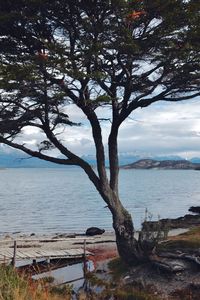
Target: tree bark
[(128, 246)]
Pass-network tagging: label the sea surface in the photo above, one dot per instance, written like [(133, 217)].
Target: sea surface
[(63, 200)]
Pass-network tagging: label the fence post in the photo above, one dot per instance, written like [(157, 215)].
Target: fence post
[(84, 261), (13, 262)]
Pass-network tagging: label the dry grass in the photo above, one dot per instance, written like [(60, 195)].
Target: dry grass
[(191, 235), (18, 287), (189, 240)]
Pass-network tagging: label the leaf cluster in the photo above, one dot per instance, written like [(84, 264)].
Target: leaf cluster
[(127, 54)]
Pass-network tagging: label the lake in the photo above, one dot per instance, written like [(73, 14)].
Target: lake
[(63, 200)]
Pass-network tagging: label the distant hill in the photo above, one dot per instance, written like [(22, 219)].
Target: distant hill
[(165, 164), (18, 159), (125, 159), (195, 160)]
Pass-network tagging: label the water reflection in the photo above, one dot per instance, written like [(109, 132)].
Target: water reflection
[(73, 274)]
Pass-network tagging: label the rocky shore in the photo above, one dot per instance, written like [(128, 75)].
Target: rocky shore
[(187, 221), (172, 273), (166, 164)]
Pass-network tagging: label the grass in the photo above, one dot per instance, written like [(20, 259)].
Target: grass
[(187, 240), (16, 287), (192, 233)]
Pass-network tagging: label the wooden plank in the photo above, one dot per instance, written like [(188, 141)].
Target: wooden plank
[(44, 253), (29, 253), (39, 253), (7, 253), (20, 254)]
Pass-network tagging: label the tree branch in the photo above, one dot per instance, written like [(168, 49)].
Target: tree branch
[(38, 154), (97, 136)]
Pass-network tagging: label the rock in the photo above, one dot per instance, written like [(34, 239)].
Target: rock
[(94, 231), (163, 224), (194, 209), (165, 164)]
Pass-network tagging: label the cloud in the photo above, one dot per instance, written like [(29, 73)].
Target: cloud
[(160, 129), (164, 128)]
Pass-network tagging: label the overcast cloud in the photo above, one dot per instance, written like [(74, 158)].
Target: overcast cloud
[(160, 129)]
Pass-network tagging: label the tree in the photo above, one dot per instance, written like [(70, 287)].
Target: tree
[(121, 54)]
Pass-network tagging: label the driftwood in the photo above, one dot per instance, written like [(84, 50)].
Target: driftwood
[(168, 262), (170, 265), (172, 262), (193, 258)]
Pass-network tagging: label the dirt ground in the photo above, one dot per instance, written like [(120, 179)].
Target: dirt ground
[(181, 285)]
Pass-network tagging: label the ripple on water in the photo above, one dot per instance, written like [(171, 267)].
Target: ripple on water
[(63, 200)]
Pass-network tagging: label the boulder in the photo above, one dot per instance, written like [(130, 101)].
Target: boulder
[(195, 209), (94, 231)]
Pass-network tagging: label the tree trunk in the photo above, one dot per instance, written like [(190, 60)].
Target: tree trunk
[(128, 247)]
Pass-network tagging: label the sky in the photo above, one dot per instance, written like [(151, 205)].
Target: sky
[(162, 129)]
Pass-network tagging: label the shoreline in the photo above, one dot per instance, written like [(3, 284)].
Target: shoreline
[(27, 245), (71, 237), (102, 249), (51, 243)]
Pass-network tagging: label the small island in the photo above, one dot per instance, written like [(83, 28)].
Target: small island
[(165, 164)]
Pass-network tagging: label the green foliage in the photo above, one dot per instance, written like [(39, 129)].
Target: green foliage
[(103, 99), (89, 53)]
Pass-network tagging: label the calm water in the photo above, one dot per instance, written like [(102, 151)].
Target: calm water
[(63, 200)]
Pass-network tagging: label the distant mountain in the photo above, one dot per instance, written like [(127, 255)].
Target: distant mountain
[(165, 164), (195, 160), (18, 159), (123, 159), (129, 159)]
